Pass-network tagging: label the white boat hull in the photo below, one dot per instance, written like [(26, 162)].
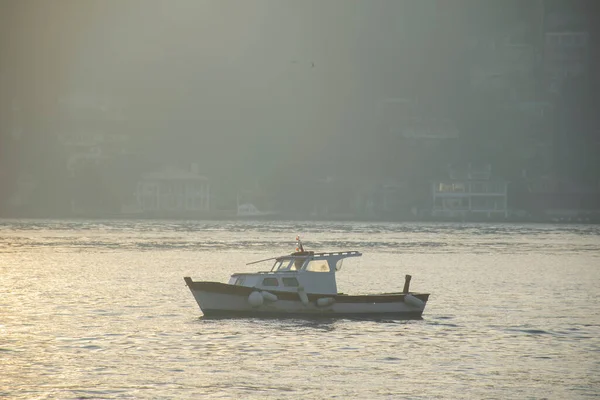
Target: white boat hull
[(224, 300)]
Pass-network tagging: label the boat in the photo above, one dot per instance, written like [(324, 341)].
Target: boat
[(249, 210), (301, 285)]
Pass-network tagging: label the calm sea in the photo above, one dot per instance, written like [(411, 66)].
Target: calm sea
[(99, 309)]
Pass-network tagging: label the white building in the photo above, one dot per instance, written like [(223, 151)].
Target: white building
[(86, 148), (173, 190), (470, 192), (566, 55), (412, 121), (90, 130), (503, 65)]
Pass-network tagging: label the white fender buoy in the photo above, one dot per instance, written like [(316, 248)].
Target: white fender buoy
[(255, 299), (325, 301), (269, 296), (302, 295), (412, 301)]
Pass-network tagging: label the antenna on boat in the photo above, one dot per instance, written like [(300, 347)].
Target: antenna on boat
[(300, 247), (259, 261)]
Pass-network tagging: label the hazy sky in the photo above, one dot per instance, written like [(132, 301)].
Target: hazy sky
[(253, 89), (232, 63), (264, 74)]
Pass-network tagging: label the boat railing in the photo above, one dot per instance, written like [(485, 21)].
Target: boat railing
[(321, 255), (337, 253), (312, 256), (283, 271)]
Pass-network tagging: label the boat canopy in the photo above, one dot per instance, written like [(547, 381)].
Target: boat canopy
[(313, 272), (312, 262), (302, 260)]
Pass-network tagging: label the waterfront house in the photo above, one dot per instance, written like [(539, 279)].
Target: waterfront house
[(469, 192), (174, 190), (550, 198)]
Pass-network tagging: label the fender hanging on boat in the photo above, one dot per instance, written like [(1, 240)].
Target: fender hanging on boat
[(325, 301), (268, 296), (255, 299), (412, 301)]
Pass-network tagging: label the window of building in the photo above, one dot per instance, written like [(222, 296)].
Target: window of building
[(479, 203), (198, 203), (479, 175), (444, 187), (290, 282), (270, 282), (458, 187), (171, 202), (496, 187), (477, 187), (189, 203), (488, 203), (455, 204)]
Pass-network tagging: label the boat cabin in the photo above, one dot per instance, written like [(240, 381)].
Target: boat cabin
[(302, 270)]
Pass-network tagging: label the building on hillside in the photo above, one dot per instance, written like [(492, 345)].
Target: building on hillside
[(24, 191), (85, 148), (91, 130), (470, 192), (411, 120), (566, 56), (387, 200), (174, 191), (504, 64), (567, 32), (552, 198), (414, 130), (255, 202)]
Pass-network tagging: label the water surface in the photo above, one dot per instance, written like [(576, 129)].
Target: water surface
[(99, 309)]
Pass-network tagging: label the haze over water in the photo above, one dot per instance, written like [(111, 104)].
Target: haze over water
[(93, 309)]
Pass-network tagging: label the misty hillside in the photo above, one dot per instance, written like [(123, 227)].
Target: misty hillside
[(263, 93)]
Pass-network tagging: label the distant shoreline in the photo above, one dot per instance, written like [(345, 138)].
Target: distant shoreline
[(588, 220)]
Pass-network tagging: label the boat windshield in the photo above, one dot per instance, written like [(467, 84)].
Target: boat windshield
[(297, 265), (281, 265), (289, 264), (318, 266)]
